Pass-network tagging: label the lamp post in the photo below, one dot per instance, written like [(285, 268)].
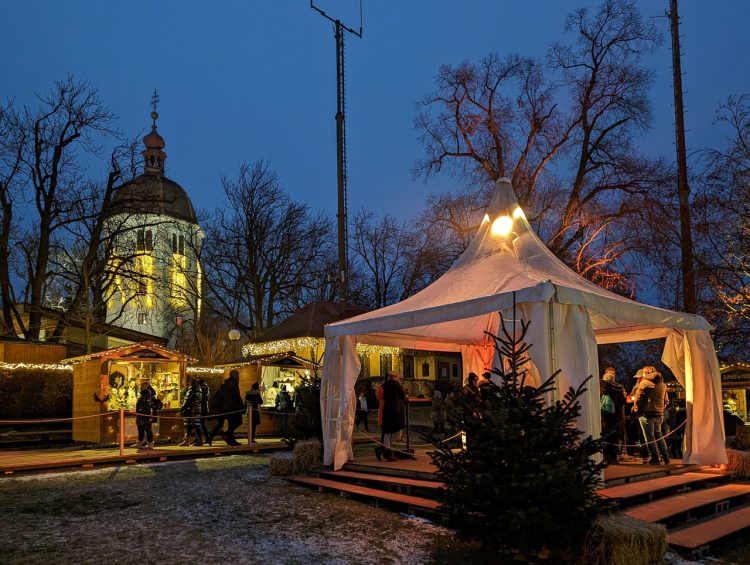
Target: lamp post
[(234, 337)]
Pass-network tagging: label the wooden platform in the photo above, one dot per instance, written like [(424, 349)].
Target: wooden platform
[(411, 502), (684, 504), (19, 461), (648, 489), (701, 534), (404, 481)]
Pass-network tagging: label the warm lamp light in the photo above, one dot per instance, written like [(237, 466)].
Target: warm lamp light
[(502, 226), (486, 218), (518, 213)]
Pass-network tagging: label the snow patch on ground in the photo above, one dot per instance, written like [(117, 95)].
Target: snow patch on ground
[(217, 510)]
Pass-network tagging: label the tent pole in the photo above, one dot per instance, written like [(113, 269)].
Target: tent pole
[(553, 347)]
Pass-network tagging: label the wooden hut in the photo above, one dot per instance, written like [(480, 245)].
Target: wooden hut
[(109, 380)]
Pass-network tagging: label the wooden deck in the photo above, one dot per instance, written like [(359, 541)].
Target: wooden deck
[(683, 504), (412, 502), (649, 488), (704, 533), (18, 461)]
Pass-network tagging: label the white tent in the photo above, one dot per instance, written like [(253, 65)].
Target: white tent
[(569, 316)]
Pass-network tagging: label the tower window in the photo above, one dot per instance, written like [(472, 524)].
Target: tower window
[(149, 240), (174, 243), (141, 318), (182, 245), (140, 241)]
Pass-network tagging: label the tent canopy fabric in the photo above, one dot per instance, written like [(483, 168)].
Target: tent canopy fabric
[(506, 264)]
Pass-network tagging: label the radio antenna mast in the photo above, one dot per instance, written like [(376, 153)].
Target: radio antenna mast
[(339, 29)]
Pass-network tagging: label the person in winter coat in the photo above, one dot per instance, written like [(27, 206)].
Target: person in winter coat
[(394, 415), (284, 406), (254, 399), (360, 415), (205, 396), (228, 402), (191, 411), (613, 422), (648, 404), (147, 406)]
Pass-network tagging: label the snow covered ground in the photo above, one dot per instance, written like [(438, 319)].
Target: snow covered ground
[(221, 510)]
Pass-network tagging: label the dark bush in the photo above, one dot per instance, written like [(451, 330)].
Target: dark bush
[(30, 394), (305, 422)]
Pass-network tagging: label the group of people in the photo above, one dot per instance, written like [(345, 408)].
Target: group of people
[(643, 407)]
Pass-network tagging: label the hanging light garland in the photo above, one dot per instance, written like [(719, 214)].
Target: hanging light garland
[(301, 344), (35, 367)]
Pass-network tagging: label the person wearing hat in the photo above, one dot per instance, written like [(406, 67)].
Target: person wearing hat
[(648, 404), (612, 413), (146, 407)]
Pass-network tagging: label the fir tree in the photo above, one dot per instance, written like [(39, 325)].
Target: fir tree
[(525, 482)]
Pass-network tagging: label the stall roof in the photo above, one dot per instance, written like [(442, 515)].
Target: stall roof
[(285, 359), (146, 350), (310, 320)]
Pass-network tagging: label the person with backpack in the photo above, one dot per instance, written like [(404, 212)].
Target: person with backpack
[(612, 404), (648, 403), (146, 407)]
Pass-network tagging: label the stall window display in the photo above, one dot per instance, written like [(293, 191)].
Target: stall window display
[(124, 379), (736, 399), (272, 380)]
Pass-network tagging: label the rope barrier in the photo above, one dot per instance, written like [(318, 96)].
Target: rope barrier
[(648, 442), (51, 420)]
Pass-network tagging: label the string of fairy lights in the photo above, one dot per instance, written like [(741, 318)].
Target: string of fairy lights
[(68, 368), (301, 344)]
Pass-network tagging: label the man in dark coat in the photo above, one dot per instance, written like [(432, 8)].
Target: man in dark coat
[(229, 403), (394, 415)]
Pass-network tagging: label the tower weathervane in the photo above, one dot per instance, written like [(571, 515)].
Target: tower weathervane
[(154, 105)]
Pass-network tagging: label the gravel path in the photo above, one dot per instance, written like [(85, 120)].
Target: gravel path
[(222, 510)]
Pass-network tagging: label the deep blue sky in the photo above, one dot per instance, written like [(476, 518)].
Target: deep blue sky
[(243, 80)]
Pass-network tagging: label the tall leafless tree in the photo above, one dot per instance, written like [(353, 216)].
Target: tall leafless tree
[(264, 254)]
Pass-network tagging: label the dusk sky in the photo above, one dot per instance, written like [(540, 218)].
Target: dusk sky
[(245, 80)]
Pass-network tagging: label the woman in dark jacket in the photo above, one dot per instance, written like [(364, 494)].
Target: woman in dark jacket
[(191, 410), (146, 407), (394, 415)]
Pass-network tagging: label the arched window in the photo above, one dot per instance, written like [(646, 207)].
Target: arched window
[(149, 240)]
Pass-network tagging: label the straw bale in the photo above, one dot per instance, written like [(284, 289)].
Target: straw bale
[(282, 464), (738, 463), (621, 540), (308, 455)]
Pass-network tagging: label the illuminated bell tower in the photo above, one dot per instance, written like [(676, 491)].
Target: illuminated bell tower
[(156, 278)]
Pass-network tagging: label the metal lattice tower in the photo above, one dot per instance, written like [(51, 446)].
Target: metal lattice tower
[(341, 165)]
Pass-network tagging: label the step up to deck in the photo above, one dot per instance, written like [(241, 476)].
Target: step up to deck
[(376, 494), (712, 499), (704, 533), (631, 493), (388, 480)]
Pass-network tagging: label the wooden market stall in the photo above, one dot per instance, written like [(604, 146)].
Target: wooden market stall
[(109, 380)]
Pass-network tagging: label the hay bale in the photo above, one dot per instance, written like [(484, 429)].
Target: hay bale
[(621, 540), (308, 455), (282, 464), (738, 463)]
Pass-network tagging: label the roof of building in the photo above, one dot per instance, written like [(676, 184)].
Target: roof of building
[(152, 193), (310, 320)]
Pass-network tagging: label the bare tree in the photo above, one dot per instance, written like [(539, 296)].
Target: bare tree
[(69, 118), (573, 164), (264, 253)]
